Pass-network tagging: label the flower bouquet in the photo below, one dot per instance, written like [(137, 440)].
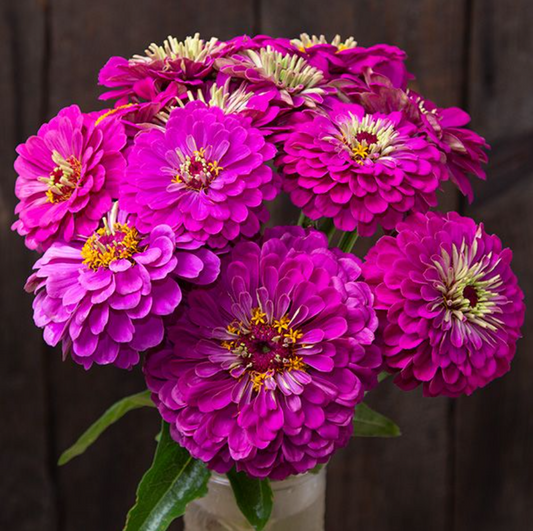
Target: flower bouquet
[(258, 344)]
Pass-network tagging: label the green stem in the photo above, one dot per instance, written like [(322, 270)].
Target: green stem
[(331, 233), (328, 228), (301, 219), (347, 241)]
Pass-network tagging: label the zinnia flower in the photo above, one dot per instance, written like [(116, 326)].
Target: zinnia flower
[(206, 172), (361, 170), (450, 307), (105, 298), (465, 150), (143, 77), (263, 370), (346, 61), (233, 97), (68, 176)]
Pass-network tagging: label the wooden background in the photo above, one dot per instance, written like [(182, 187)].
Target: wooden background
[(460, 465)]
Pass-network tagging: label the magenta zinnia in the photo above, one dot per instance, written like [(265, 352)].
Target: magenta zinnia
[(450, 306), (68, 176), (347, 63), (143, 77), (465, 150), (105, 298), (264, 369), (206, 173), (361, 170)]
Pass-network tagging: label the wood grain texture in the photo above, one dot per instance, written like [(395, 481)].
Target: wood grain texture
[(25, 474), (494, 463)]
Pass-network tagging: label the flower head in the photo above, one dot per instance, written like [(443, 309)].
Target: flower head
[(104, 298), (361, 170), (263, 370), (205, 173), (142, 77), (330, 57), (465, 150), (68, 176), (451, 307)]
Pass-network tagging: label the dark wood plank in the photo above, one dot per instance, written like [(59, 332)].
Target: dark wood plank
[(405, 483), (494, 465), (97, 489), (26, 481)]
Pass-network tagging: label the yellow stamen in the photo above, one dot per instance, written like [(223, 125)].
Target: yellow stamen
[(360, 153), (258, 316), (97, 254), (228, 344), (258, 379), (295, 363), (232, 329), (215, 168), (293, 335), (281, 324), (102, 117)]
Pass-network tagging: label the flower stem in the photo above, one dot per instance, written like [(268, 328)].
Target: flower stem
[(331, 233), (347, 241), (328, 228), (301, 219)]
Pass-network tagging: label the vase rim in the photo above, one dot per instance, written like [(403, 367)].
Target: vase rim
[(276, 485)]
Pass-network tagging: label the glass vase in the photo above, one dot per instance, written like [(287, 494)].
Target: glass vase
[(299, 504)]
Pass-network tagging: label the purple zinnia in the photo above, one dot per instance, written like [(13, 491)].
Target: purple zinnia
[(105, 298), (206, 173), (68, 176), (450, 306), (361, 170), (264, 369)]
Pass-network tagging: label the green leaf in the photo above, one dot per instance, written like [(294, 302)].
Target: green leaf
[(369, 423), (253, 496), (173, 480), (383, 376), (114, 413), (316, 470)]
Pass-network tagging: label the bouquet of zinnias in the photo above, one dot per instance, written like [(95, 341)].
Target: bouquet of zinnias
[(259, 344)]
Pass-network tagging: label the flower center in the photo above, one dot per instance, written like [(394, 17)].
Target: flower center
[(368, 138), (470, 294), (264, 348), (110, 243), (192, 48), (469, 288), (63, 179), (287, 71), (196, 172), (306, 41)]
